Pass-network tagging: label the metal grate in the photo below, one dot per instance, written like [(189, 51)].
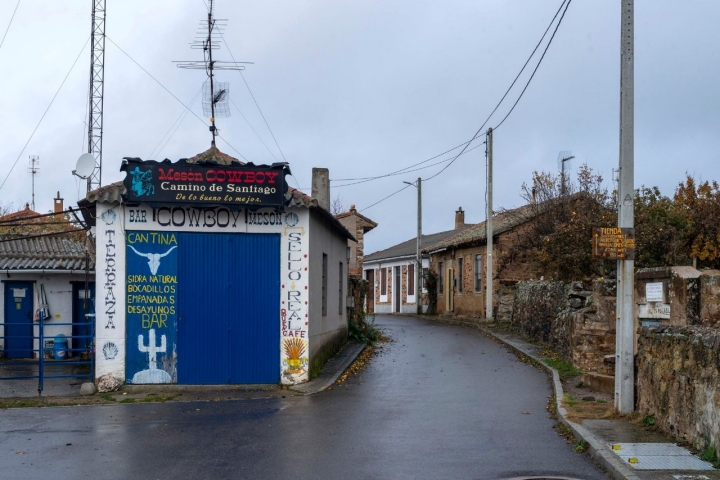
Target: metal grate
[(658, 456)]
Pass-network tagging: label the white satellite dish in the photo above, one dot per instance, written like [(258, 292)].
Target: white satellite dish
[(84, 166)]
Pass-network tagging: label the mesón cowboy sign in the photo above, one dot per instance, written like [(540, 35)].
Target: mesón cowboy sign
[(248, 185)]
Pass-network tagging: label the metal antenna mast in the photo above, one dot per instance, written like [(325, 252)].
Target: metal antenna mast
[(33, 170), (216, 95), (97, 87)]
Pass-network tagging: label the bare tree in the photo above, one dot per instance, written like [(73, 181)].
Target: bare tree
[(338, 205)]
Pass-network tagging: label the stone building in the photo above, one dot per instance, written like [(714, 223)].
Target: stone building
[(358, 225), (460, 263), (391, 272)]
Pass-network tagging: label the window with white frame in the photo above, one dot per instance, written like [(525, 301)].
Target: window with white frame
[(383, 284), (411, 282)]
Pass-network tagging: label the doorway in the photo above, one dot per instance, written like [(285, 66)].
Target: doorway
[(18, 319)]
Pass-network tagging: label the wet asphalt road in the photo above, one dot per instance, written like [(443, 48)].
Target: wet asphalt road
[(438, 402)]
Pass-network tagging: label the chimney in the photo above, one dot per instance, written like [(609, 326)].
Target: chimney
[(459, 218), (58, 204), (321, 187), (534, 195)]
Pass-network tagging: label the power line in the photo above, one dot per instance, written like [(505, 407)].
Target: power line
[(512, 84), (175, 124), (10, 23), (253, 129), (380, 201), (156, 80), (45, 113), (172, 94), (477, 134), (538, 64), (403, 172)]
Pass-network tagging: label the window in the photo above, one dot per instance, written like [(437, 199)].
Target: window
[(411, 280), (340, 290), (383, 281), (441, 277), (422, 279), (324, 284), (460, 275), (478, 273)]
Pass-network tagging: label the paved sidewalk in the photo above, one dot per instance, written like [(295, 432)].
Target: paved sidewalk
[(615, 443), (70, 387)]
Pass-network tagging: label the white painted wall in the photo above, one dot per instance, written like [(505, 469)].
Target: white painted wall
[(410, 307), (326, 329), (58, 291), (292, 224), (110, 291)]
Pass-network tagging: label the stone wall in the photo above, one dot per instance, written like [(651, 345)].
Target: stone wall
[(710, 298), (678, 381), (576, 320), (357, 290)]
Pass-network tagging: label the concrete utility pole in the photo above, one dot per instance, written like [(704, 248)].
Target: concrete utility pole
[(625, 330), (489, 233), (418, 247), (418, 267)]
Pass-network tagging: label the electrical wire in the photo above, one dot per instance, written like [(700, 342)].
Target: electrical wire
[(156, 80), (538, 64), (172, 94), (253, 129), (380, 201), (513, 83), (173, 126), (10, 23), (404, 171), (45, 113)]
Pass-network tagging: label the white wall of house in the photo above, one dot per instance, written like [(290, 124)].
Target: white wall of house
[(388, 303), (58, 290), (299, 313), (331, 325)]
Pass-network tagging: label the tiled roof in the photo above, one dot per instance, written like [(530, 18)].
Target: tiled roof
[(367, 223), (214, 155), (56, 252), (20, 214), (502, 222), (407, 248)]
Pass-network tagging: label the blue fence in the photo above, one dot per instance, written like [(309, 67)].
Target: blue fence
[(54, 356)]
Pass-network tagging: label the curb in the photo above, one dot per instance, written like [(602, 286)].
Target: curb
[(332, 370), (597, 449)]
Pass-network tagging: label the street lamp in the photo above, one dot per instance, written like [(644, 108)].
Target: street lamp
[(418, 259)]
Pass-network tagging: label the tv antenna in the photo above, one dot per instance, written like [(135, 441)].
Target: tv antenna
[(216, 95), (33, 170)]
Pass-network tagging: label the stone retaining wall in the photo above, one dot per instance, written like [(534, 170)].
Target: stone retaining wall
[(576, 320), (678, 380)]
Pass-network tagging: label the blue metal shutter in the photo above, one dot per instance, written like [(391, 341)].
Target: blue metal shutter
[(228, 309)]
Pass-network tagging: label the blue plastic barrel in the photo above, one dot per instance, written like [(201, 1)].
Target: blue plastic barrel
[(60, 348)]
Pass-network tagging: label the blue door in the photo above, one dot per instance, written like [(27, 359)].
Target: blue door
[(83, 304), (18, 319), (228, 328)]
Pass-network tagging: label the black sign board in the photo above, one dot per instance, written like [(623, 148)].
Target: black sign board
[(204, 184), (612, 243)]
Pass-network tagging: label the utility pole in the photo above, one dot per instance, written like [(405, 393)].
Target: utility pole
[(418, 247), (489, 232), (625, 329), (418, 267)]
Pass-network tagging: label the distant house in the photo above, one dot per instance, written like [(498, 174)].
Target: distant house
[(45, 268), (391, 272), (460, 263), (358, 225)]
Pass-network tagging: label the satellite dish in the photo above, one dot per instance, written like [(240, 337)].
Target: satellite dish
[(84, 166)]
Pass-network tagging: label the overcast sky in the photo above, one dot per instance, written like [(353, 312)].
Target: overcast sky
[(364, 88)]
